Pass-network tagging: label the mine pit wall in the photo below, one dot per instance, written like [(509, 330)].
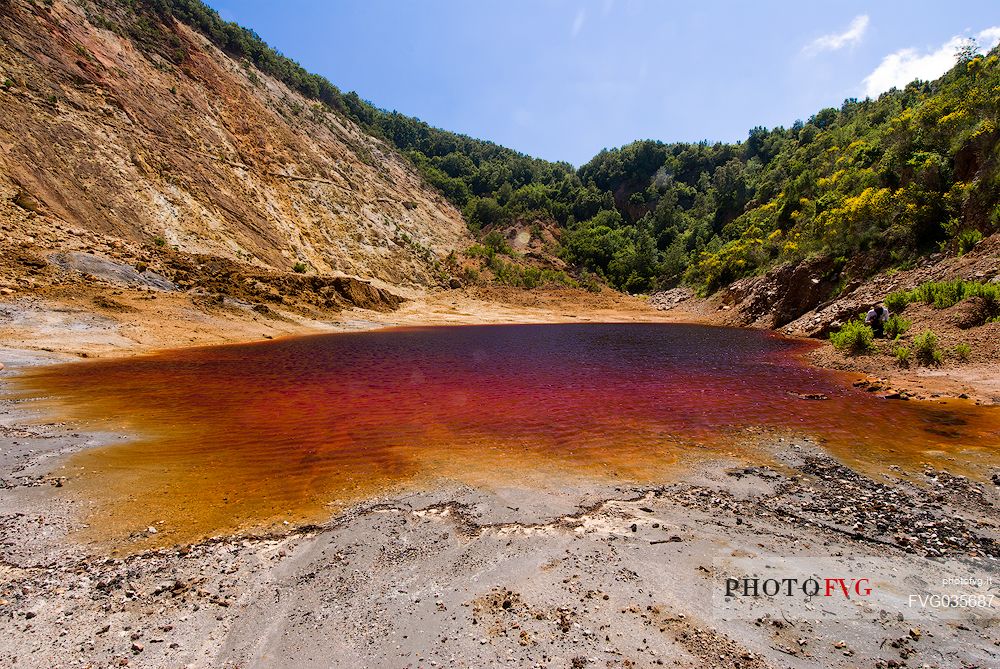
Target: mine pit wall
[(105, 140)]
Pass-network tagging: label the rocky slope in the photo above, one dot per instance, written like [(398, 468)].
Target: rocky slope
[(109, 146), (816, 297)]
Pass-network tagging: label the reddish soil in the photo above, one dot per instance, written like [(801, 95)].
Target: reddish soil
[(975, 377)]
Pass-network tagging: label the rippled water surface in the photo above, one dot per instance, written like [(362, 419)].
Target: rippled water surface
[(244, 435)]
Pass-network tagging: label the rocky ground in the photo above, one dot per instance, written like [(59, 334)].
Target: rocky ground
[(974, 377)]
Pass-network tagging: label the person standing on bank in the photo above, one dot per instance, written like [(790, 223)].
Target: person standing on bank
[(876, 318)]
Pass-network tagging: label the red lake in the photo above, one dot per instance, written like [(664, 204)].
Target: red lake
[(245, 436)]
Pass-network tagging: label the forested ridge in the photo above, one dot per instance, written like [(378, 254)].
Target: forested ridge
[(874, 184)]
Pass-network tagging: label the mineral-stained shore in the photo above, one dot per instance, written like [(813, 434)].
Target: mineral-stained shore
[(565, 574)]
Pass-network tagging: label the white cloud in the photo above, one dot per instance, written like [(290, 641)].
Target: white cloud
[(835, 41), (903, 66), (581, 18), (989, 38)]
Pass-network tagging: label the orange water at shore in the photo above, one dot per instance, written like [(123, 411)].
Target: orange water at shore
[(247, 435)]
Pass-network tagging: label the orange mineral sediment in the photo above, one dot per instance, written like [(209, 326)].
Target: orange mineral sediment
[(244, 436)]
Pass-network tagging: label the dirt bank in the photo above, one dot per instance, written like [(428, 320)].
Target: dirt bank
[(107, 297)]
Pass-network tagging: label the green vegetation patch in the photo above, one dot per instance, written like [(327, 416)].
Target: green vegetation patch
[(943, 294), (896, 326), (512, 274), (926, 350), (903, 355), (854, 338)]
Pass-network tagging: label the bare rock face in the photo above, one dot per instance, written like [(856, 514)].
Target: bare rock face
[(104, 138), (783, 294), (109, 270)]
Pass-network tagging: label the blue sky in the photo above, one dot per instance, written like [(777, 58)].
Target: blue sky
[(562, 79)]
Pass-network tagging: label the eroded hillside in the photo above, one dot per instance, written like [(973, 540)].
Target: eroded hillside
[(107, 144)]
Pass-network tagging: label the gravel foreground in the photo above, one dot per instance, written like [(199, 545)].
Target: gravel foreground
[(584, 574)]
